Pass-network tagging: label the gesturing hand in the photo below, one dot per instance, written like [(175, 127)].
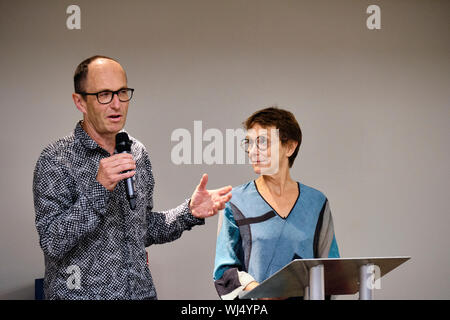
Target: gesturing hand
[(111, 168), (206, 203)]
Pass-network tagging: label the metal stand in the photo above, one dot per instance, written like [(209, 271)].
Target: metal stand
[(316, 283), (316, 289), (366, 281), (315, 278), (306, 293)]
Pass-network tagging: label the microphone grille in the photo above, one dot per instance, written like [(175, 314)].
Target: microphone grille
[(123, 143)]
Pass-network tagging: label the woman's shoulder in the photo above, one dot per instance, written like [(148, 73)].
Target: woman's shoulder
[(245, 187), (243, 193), (311, 192)]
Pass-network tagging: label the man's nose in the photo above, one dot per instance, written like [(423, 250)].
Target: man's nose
[(115, 103)]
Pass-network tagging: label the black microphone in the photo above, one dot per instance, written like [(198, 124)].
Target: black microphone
[(123, 144)]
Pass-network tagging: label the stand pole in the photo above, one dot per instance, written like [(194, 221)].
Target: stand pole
[(366, 281), (316, 283)]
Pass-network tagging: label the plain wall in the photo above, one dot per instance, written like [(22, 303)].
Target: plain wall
[(373, 106)]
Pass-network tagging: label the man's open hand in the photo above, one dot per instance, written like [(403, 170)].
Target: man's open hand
[(206, 203)]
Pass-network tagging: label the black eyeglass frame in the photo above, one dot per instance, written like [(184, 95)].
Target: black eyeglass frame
[(112, 95)]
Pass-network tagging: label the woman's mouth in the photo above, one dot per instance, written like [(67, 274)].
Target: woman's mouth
[(259, 161)]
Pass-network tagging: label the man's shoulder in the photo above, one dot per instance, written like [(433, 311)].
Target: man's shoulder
[(59, 147), (136, 143), (57, 154), (138, 148)]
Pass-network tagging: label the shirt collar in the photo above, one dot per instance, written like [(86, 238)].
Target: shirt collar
[(84, 138)]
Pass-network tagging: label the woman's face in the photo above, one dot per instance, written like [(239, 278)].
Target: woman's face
[(266, 152), (263, 148)]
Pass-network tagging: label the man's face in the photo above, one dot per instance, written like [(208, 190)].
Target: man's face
[(105, 119)]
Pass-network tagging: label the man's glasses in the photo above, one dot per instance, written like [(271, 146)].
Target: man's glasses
[(106, 96), (261, 142)]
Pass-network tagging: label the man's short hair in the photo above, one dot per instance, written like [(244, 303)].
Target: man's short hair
[(81, 72), (283, 120)]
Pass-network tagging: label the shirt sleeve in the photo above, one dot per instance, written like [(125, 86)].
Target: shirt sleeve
[(230, 278), (327, 246), (166, 226), (64, 216)]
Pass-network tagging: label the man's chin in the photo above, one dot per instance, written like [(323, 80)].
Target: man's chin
[(116, 127)]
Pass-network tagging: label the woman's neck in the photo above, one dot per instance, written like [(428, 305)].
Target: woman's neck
[(276, 184)]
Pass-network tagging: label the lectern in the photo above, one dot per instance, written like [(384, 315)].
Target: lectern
[(315, 278)]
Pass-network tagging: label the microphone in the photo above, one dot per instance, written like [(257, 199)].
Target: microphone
[(123, 144)]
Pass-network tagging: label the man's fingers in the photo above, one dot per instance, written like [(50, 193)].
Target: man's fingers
[(203, 182), (129, 174), (225, 199), (222, 198), (120, 164), (115, 168), (123, 162), (121, 155), (207, 203), (212, 212), (125, 175), (116, 157), (219, 204), (224, 190), (125, 167)]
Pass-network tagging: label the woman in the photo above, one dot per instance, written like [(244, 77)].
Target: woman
[(272, 220)]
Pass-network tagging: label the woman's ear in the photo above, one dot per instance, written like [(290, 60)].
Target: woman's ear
[(291, 147)]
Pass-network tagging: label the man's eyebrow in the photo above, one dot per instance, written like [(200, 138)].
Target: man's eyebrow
[(121, 88)]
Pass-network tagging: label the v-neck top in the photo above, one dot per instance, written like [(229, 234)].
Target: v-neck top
[(254, 239), (292, 208)]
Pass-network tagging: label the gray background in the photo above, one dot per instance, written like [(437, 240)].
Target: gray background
[(373, 106)]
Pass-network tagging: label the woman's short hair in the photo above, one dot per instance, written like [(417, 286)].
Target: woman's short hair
[(281, 119)]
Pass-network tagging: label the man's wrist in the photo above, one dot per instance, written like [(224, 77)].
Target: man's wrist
[(195, 220)]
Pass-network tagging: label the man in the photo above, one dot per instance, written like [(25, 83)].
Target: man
[(93, 242)]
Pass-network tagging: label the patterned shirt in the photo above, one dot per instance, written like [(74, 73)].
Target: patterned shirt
[(93, 243)]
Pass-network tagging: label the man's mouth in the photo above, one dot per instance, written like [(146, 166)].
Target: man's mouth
[(115, 117)]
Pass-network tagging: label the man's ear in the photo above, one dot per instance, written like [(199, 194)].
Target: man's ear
[(80, 103)]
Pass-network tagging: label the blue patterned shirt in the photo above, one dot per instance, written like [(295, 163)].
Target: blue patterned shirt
[(93, 243), (255, 242)]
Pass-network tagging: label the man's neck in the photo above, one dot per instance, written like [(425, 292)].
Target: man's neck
[(107, 142)]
